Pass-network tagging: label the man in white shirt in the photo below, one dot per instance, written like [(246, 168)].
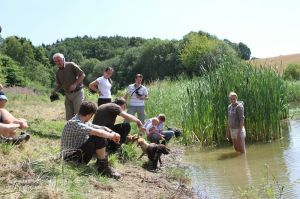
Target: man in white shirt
[(137, 94)]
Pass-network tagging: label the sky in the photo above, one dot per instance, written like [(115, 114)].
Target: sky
[(268, 27)]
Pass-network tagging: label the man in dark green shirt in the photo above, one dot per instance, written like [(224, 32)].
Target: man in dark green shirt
[(106, 115), (69, 77)]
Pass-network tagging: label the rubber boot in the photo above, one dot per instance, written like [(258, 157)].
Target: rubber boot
[(107, 170)]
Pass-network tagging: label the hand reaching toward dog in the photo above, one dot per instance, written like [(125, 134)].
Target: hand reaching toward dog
[(116, 138)]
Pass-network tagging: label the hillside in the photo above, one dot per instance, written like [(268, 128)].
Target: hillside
[(280, 62)]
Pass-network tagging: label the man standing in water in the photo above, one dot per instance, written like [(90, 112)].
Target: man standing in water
[(69, 77), (236, 123)]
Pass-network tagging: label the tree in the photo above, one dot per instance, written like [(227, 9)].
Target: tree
[(245, 52), (201, 54), (11, 73)]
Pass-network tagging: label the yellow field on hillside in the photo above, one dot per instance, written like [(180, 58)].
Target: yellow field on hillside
[(279, 62)]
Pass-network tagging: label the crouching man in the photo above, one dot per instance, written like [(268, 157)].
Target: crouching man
[(80, 140)]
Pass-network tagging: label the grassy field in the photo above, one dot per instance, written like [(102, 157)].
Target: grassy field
[(34, 169), (279, 62)]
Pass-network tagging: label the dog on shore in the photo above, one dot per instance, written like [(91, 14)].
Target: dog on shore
[(154, 151), (130, 139)]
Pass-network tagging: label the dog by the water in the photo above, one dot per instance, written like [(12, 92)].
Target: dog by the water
[(154, 151)]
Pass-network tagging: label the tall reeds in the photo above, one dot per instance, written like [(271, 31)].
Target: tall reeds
[(261, 90), (199, 105)]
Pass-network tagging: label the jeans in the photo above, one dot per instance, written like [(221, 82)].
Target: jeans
[(140, 110), (154, 138)]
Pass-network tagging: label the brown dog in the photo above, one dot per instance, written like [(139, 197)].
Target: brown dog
[(131, 139), (154, 151)]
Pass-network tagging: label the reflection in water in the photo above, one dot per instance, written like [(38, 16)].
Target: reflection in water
[(218, 173), (228, 156)]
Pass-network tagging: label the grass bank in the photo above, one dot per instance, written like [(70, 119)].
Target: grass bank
[(34, 170)]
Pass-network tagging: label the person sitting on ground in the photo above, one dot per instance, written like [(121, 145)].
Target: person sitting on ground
[(9, 124), (80, 140), (151, 130), (106, 115), (159, 133)]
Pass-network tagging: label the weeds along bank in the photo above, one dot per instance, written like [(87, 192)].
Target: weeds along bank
[(199, 105), (33, 170)]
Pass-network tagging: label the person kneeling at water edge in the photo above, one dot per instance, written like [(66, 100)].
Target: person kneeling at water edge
[(80, 140)]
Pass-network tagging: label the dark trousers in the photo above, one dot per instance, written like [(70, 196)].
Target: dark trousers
[(103, 101), (85, 153), (123, 129)]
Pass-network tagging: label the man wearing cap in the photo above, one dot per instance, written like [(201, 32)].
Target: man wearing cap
[(69, 77), (8, 125)]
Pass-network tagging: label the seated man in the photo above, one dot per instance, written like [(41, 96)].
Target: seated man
[(159, 132), (80, 140), (106, 115), (8, 125)]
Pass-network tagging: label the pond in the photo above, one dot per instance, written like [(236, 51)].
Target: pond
[(218, 173)]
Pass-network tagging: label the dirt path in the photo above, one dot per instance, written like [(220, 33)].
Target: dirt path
[(138, 182)]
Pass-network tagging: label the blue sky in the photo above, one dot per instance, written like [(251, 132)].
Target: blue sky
[(269, 28)]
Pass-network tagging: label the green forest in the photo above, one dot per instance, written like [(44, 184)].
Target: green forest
[(23, 64)]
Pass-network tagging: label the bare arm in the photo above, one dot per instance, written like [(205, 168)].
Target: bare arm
[(8, 118), (10, 127), (126, 96), (105, 134), (94, 86), (77, 82), (132, 118), (101, 127), (57, 87)]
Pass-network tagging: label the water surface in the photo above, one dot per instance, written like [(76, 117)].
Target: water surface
[(217, 173)]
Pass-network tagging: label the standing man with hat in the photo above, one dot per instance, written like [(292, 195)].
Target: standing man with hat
[(69, 77)]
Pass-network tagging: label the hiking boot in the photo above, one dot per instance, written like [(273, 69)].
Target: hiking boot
[(107, 170), (15, 140)]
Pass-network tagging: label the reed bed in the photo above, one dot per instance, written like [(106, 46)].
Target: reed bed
[(199, 105)]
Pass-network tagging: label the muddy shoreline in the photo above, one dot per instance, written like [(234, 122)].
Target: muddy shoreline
[(140, 182)]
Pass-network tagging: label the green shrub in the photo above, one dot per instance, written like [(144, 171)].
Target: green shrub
[(292, 72), (127, 152)]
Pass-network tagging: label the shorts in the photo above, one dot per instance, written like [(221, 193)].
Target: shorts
[(234, 133)]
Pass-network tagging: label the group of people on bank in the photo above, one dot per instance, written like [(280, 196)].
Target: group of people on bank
[(81, 140)]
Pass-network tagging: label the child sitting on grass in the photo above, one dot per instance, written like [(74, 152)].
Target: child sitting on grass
[(152, 132)]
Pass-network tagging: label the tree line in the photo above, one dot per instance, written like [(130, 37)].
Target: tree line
[(23, 64)]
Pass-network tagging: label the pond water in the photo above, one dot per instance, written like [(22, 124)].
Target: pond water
[(217, 173)]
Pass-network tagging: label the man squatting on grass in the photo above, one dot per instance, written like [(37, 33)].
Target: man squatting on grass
[(80, 140), (106, 115)]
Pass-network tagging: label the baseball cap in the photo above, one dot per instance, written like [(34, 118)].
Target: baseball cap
[(2, 96)]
